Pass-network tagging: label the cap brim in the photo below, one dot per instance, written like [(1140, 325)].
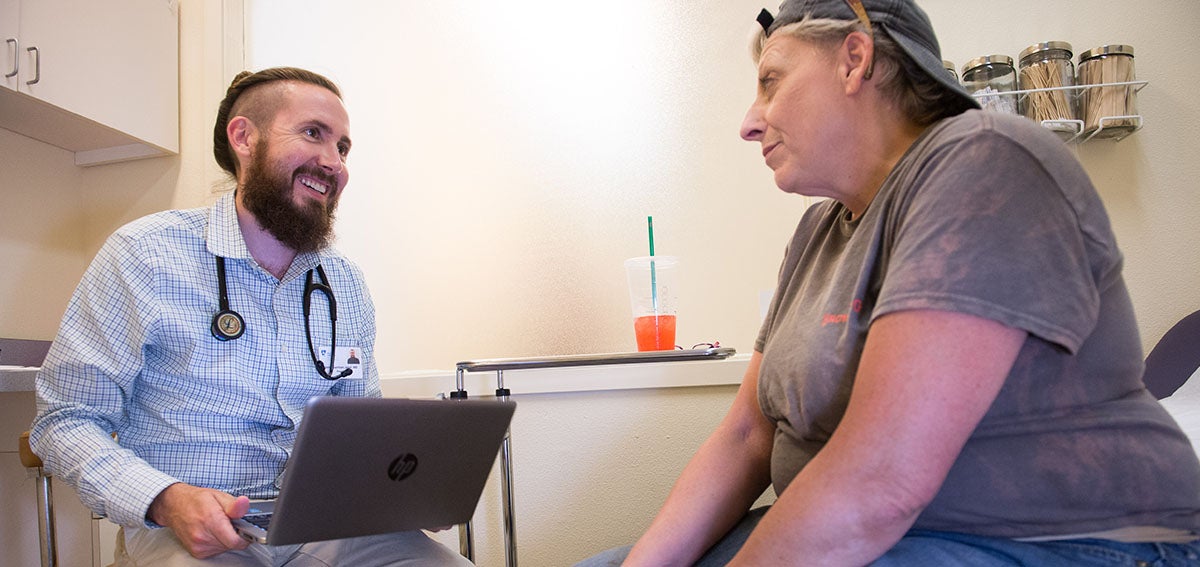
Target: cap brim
[(932, 65)]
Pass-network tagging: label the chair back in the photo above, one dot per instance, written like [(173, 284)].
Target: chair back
[(1175, 358)]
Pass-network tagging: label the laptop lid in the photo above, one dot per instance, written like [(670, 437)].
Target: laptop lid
[(364, 466)]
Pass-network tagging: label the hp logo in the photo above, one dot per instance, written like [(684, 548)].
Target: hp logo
[(402, 467)]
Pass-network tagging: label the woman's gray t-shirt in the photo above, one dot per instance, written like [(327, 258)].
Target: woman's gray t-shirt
[(988, 215)]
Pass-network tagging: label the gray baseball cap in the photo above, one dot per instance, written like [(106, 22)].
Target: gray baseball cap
[(903, 21)]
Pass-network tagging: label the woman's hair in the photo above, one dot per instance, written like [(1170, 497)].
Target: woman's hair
[(256, 105), (915, 94)]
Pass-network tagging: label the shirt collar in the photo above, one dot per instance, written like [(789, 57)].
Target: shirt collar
[(225, 239), (224, 235)]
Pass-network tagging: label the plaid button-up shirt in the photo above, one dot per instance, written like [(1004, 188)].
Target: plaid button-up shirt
[(135, 356)]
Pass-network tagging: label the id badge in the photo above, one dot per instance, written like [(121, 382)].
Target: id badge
[(345, 357)]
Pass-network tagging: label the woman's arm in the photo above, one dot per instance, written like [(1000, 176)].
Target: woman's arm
[(730, 471), (925, 380)]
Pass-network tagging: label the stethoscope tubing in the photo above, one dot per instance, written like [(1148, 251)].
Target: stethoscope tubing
[(228, 325), (323, 286)]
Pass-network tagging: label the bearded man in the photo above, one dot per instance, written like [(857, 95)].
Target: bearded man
[(187, 339)]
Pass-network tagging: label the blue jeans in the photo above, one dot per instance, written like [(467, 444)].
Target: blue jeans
[(922, 548)]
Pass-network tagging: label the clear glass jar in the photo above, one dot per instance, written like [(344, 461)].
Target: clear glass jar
[(1048, 66), (1111, 110), (987, 78), (949, 66)]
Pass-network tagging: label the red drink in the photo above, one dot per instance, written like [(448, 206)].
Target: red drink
[(655, 332)]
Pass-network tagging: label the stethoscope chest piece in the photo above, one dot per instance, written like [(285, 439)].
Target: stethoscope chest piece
[(227, 325)]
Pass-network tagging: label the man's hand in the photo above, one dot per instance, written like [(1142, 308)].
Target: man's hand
[(200, 518)]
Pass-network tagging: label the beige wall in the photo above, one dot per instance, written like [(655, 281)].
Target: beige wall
[(497, 187), (507, 155), (41, 237), (585, 479), (507, 165), (1149, 181)]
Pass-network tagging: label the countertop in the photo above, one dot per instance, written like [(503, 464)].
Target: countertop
[(17, 378)]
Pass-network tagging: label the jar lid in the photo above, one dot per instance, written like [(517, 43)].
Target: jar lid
[(1116, 49), (1045, 46), (987, 60)]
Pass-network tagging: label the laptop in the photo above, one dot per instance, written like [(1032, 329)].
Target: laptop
[(364, 466)]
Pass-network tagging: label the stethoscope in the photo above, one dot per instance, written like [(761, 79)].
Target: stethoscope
[(228, 324)]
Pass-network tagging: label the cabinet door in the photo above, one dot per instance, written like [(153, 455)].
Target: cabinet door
[(112, 61), (10, 12)]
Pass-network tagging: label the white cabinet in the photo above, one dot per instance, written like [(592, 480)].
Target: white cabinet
[(9, 16), (96, 77)]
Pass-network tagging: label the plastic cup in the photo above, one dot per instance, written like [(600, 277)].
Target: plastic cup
[(652, 297)]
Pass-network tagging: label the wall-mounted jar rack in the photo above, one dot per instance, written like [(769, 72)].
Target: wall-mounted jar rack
[(1115, 127)]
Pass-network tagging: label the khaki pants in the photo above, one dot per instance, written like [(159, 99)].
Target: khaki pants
[(146, 547)]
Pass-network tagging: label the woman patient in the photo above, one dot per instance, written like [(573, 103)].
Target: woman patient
[(950, 371)]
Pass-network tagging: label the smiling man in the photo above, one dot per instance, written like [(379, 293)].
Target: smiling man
[(187, 338)]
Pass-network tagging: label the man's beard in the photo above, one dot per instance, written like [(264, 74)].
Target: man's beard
[(268, 195)]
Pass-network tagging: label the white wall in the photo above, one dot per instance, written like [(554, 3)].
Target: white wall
[(505, 162), (587, 478), (506, 156)]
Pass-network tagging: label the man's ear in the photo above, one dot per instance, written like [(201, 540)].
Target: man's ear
[(243, 135), (856, 59)]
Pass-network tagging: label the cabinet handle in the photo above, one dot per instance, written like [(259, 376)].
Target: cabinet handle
[(37, 65), (16, 61)]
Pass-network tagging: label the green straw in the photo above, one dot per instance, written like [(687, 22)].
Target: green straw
[(653, 276)]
